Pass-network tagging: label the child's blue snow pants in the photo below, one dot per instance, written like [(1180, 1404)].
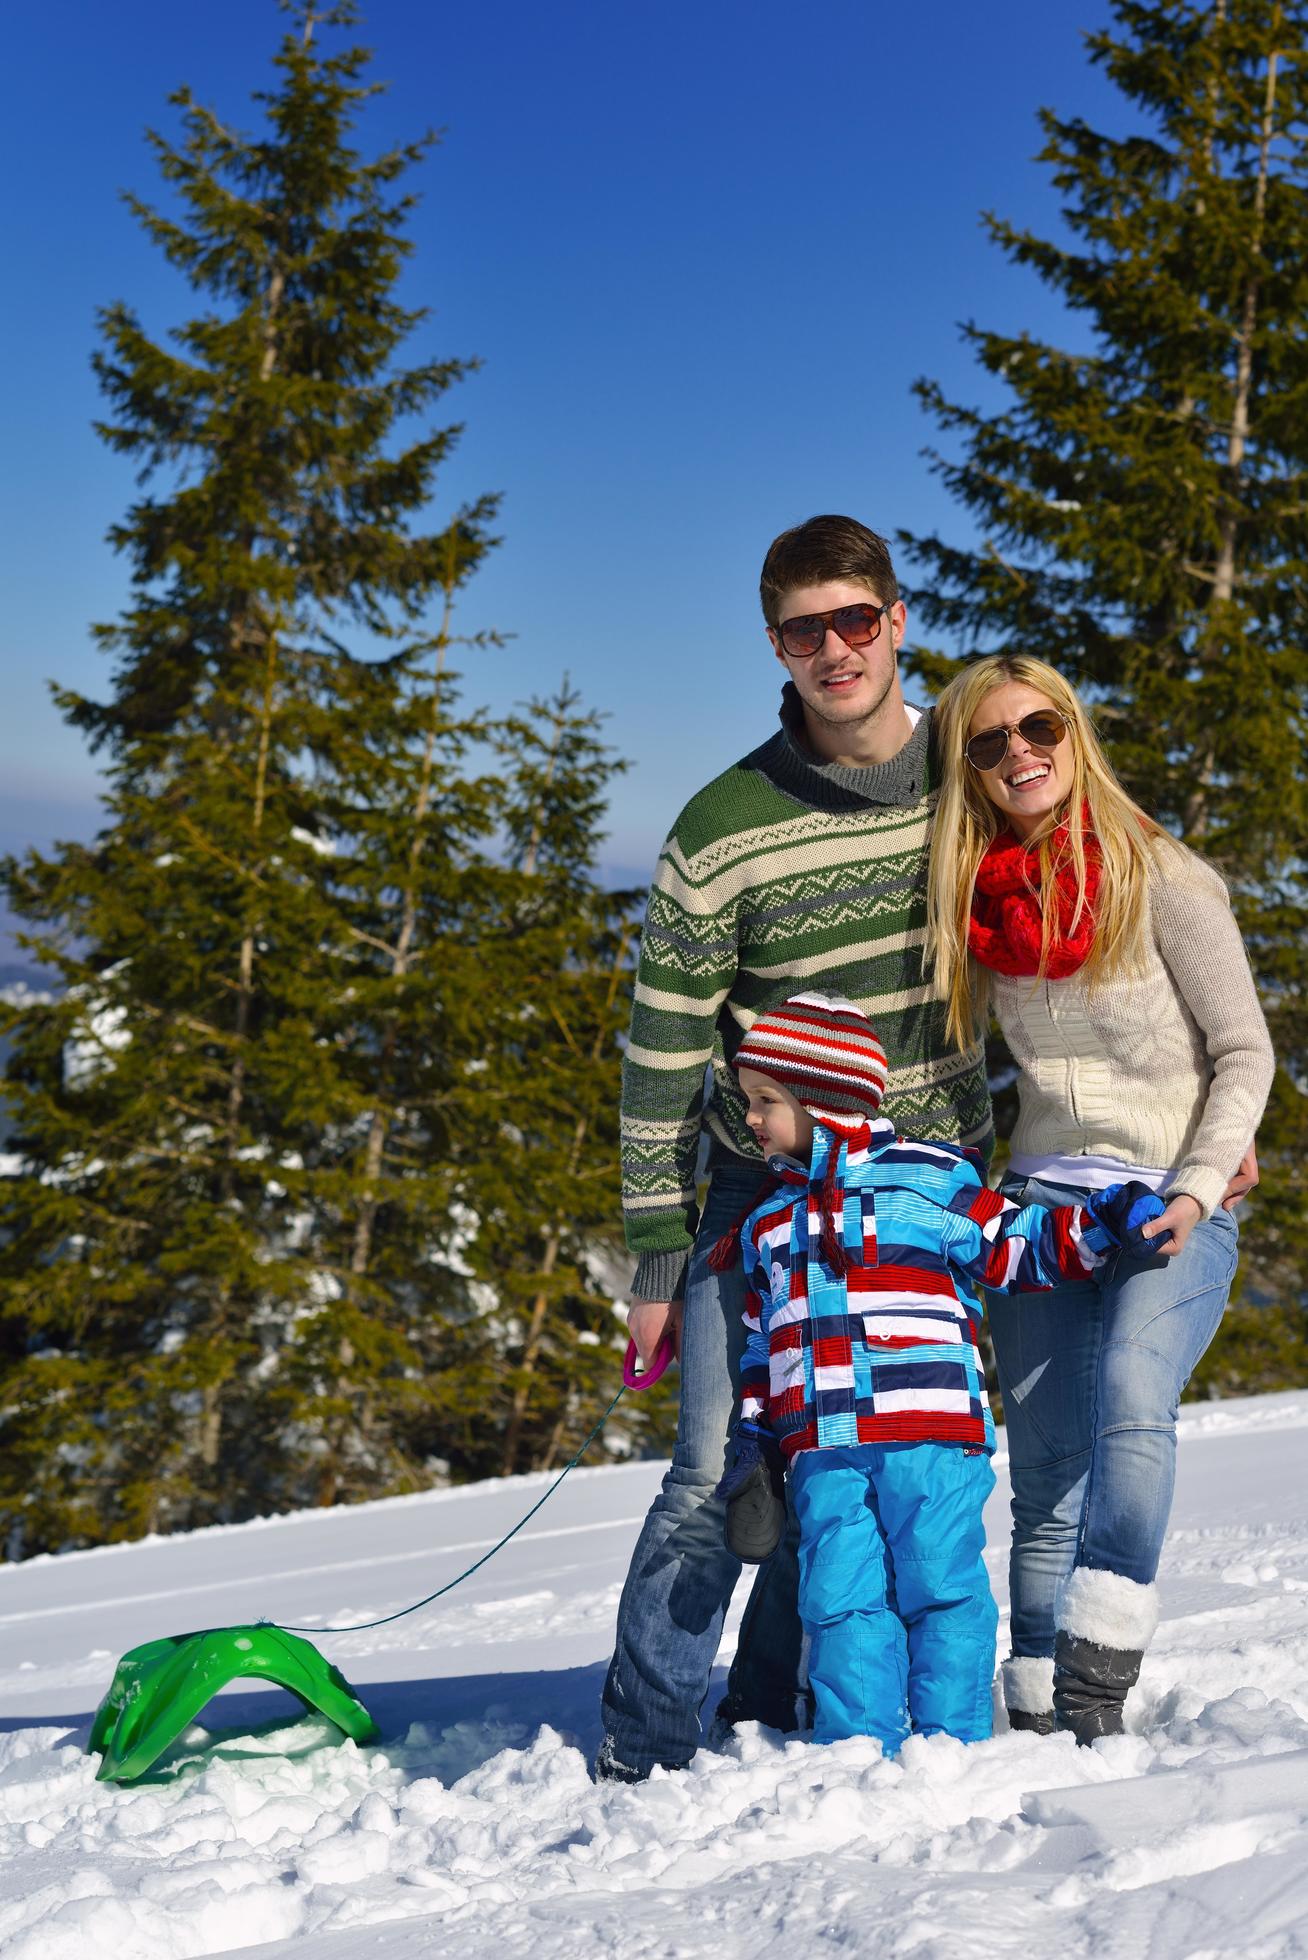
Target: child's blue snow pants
[(893, 1593)]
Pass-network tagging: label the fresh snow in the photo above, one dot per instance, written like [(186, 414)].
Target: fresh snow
[(472, 1828)]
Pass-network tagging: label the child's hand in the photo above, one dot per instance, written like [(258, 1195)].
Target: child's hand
[(1180, 1218), (755, 1493)]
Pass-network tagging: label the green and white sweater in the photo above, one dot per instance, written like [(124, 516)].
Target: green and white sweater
[(783, 874)]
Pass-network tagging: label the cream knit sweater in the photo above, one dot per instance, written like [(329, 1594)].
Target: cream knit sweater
[(1168, 1067)]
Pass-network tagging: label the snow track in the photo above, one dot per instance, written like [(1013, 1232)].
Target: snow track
[(472, 1828)]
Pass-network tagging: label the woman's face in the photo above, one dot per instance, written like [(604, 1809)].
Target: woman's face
[(1029, 783)]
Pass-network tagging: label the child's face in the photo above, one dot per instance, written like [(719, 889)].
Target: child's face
[(781, 1125)]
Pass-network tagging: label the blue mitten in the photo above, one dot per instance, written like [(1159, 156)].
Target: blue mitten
[(755, 1492), (1116, 1215)]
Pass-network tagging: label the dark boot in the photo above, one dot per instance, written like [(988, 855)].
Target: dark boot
[(1029, 1693), (609, 1767), (794, 1719), (1091, 1685), (1030, 1722), (1105, 1623)]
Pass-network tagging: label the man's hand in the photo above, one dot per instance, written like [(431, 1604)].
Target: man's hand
[(1244, 1180), (648, 1321)]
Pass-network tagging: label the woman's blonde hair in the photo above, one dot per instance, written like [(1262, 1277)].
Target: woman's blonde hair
[(966, 822)]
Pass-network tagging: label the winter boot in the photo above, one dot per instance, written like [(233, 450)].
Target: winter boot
[(1105, 1623), (610, 1768), (1029, 1693), (796, 1719)]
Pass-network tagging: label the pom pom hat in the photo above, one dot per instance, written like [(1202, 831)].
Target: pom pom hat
[(823, 1050)]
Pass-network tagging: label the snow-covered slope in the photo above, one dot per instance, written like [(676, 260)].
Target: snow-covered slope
[(472, 1827)]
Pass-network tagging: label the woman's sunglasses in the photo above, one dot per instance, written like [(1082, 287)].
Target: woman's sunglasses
[(1044, 729), (857, 626)]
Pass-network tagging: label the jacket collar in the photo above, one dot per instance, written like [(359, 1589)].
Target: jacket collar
[(874, 1137)]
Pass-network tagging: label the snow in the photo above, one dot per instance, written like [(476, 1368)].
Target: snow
[(472, 1827)]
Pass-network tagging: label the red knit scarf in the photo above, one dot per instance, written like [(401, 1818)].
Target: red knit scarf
[(1008, 907)]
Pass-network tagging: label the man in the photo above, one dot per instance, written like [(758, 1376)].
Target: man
[(803, 865)]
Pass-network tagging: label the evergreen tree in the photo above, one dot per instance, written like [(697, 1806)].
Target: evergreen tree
[(1140, 499), (542, 1122), (406, 939), (209, 1114)]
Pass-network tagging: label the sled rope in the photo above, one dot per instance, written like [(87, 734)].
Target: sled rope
[(364, 1625)]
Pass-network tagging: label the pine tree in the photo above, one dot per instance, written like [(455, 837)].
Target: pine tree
[(191, 1261), (396, 1333), (542, 1120), (1140, 500)]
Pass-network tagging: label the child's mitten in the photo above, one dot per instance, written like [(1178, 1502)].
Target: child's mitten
[(755, 1492), (1116, 1215)]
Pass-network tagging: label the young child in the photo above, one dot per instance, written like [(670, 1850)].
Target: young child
[(861, 1372)]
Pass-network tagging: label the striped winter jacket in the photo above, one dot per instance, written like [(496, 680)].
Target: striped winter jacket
[(887, 1353)]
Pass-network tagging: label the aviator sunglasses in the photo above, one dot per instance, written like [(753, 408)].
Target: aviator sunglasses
[(1044, 729), (857, 626)]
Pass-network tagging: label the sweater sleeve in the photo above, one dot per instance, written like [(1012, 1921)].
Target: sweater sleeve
[(688, 962), (1199, 942), (1009, 1248)]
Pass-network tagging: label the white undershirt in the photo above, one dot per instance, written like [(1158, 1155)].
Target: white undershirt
[(1089, 1173)]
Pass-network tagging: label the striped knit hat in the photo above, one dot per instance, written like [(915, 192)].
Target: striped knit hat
[(823, 1050)]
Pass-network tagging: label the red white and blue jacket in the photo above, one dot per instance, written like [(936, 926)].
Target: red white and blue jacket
[(887, 1351)]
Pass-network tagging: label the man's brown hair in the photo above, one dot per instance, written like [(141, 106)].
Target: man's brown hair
[(824, 551)]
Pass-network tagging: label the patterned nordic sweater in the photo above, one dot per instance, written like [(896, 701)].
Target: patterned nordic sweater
[(782, 873), (888, 1352)]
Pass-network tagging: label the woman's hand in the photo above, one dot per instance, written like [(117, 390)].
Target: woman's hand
[(1180, 1218), (1243, 1182)]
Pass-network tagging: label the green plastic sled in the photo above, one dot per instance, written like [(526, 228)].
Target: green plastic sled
[(159, 1689)]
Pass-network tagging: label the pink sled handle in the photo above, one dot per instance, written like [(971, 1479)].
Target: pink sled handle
[(658, 1367)]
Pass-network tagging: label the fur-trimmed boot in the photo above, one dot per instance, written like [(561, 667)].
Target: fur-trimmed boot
[(1105, 1622), (1029, 1693)]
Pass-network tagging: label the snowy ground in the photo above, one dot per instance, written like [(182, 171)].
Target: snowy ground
[(472, 1828)]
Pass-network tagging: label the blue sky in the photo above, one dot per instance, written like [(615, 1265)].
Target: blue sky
[(702, 250)]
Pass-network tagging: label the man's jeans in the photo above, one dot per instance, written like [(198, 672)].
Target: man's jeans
[(1091, 1375), (682, 1576)]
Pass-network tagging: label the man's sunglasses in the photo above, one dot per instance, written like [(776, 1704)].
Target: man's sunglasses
[(1044, 729), (857, 626)]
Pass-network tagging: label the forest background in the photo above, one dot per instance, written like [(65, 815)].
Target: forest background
[(313, 1175)]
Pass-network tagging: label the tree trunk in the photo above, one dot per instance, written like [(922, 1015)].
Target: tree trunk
[(536, 1324), (1224, 569), (212, 1412), (379, 1125)]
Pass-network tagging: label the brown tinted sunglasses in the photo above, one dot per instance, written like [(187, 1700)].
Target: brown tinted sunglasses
[(1044, 729), (857, 626)]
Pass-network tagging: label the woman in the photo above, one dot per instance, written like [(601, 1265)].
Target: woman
[(1117, 973)]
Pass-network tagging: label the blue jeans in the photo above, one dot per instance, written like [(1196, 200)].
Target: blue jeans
[(1091, 1375), (682, 1576), (893, 1591)]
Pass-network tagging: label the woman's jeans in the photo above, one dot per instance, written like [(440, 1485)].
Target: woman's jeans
[(1091, 1374), (682, 1576)]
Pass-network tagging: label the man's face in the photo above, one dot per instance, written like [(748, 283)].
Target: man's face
[(841, 685)]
